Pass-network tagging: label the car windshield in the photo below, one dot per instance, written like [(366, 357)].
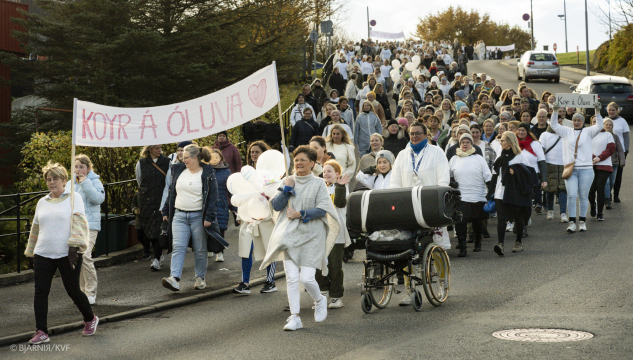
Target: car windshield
[(611, 88), (542, 57)]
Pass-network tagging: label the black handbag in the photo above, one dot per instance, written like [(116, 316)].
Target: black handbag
[(215, 242), (163, 238)]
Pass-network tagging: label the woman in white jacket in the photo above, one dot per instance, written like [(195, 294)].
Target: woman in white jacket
[(339, 144), (579, 183), (378, 176), (297, 111)]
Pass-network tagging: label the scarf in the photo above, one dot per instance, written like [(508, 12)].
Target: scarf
[(503, 162), (418, 147), (465, 153), (527, 145)]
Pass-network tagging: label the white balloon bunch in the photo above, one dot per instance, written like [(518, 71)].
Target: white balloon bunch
[(251, 187)]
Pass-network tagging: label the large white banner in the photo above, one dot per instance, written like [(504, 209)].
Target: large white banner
[(503, 48), (386, 35), (107, 126)]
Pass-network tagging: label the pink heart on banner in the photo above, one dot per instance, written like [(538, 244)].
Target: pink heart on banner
[(257, 93)]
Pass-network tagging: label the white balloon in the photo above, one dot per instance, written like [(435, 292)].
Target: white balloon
[(258, 208), (265, 177), (395, 63), (273, 161), (410, 66), (416, 59), (393, 72), (250, 174), (416, 73), (271, 189), (242, 212), (242, 199), (395, 78), (236, 184)]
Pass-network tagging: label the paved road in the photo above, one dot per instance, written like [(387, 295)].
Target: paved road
[(579, 282)]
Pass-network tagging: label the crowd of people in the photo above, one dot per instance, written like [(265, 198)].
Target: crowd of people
[(511, 153)]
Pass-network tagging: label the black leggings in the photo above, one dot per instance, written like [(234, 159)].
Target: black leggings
[(505, 213), (44, 270), (462, 227), (599, 182), (618, 182)]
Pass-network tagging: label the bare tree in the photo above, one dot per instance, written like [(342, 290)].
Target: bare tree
[(614, 14)]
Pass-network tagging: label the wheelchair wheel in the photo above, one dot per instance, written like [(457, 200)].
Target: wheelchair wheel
[(365, 302), (380, 295), (416, 300), (437, 274)]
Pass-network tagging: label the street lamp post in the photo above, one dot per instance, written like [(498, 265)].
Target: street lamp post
[(532, 24), (587, 38), (565, 12)]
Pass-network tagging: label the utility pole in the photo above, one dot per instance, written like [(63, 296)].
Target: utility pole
[(587, 38), (565, 12), (532, 24), (609, 2), (368, 22)]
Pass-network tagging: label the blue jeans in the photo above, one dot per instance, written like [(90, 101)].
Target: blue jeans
[(610, 182), (578, 186), (247, 265), (184, 226), (562, 199)]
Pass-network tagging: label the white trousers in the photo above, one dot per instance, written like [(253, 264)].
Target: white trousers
[(88, 276), (305, 275)]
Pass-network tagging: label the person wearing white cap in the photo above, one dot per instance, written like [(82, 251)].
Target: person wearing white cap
[(378, 176), (470, 173)]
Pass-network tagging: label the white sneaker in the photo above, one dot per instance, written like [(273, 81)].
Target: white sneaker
[(219, 257), (335, 303), (293, 323), (320, 309), (155, 265), (571, 228), (200, 284), (210, 255), (406, 298), (582, 226), (563, 218), (171, 283), (550, 214), (510, 227), (92, 299)]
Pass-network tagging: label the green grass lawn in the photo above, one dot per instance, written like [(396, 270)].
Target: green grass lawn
[(571, 58), (319, 73)]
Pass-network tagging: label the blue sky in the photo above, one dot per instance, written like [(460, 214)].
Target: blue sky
[(402, 15)]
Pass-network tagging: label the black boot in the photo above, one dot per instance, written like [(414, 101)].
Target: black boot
[(593, 210), (462, 246), (477, 243), (471, 238)]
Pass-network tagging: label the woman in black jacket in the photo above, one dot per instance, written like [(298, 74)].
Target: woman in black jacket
[(303, 130), (150, 175), (394, 137), (337, 81), (191, 209), (383, 100), (512, 200)]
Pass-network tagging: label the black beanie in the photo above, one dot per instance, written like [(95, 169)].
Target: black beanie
[(392, 122), (225, 133)]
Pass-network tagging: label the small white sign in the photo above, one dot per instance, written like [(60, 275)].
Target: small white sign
[(577, 100)]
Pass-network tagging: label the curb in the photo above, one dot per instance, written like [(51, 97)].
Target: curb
[(60, 329), (102, 261)]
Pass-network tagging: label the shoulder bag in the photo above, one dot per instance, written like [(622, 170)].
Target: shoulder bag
[(569, 168)]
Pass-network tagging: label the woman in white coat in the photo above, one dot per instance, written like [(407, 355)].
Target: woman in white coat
[(579, 183), (482, 50)]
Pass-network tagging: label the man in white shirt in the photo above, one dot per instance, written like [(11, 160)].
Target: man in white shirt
[(342, 66)]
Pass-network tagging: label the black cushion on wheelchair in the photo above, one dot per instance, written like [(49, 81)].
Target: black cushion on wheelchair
[(389, 257)]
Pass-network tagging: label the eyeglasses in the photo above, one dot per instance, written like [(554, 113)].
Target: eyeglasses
[(417, 133)]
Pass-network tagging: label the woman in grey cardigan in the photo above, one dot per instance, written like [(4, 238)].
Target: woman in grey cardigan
[(304, 235)]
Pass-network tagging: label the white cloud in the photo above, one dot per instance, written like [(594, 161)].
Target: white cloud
[(396, 16)]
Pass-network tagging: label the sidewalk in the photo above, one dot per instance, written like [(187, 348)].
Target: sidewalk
[(126, 287)]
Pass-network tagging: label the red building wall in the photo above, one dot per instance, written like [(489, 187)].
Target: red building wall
[(8, 10)]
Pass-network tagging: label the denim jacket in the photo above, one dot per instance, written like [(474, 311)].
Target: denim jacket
[(93, 195)]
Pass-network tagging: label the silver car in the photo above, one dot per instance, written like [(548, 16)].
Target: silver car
[(538, 65), (610, 89)]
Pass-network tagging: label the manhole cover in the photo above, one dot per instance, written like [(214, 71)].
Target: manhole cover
[(542, 335)]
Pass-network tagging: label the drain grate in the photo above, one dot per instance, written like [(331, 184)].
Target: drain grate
[(542, 335)]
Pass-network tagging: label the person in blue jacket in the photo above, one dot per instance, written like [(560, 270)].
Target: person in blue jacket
[(88, 185), (222, 173)]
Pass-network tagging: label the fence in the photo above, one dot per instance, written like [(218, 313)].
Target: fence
[(33, 196)]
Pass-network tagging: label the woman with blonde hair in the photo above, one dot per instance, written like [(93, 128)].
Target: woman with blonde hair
[(511, 199), (90, 188), (57, 241), (376, 142), (448, 110), (339, 144)]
